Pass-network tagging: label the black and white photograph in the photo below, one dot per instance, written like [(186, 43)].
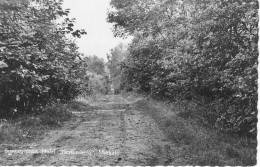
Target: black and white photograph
[(129, 82)]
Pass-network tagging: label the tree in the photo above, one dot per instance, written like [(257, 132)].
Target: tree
[(194, 48), (96, 65), (41, 61), (114, 64)]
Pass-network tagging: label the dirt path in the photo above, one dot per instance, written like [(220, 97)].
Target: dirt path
[(113, 134)]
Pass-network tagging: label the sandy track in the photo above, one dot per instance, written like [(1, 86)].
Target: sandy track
[(114, 134)]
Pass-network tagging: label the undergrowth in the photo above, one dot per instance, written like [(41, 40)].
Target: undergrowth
[(31, 127), (201, 144)]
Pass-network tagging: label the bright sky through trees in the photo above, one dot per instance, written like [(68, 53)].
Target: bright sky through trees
[(91, 15)]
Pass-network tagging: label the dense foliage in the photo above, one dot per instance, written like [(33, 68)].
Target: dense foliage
[(95, 65), (193, 49), (115, 59), (39, 62), (98, 80)]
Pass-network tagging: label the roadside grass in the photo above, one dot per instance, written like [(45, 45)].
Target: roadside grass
[(79, 105), (9, 133), (132, 97), (28, 128), (200, 143)]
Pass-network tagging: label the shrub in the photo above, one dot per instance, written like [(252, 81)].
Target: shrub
[(194, 48), (38, 63)]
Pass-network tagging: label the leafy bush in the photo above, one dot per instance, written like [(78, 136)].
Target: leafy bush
[(98, 84), (194, 48), (38, 63)]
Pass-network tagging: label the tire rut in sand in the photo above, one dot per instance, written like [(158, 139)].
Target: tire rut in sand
[(115, 125), (122, 156)]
